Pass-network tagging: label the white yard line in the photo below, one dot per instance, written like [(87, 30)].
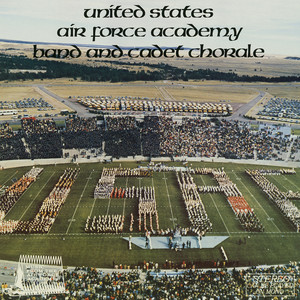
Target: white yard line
[(93, 206), (257, 202), (78, 202), (125, 198), (165, 179), (216, 208), (36, 196), (108, 206), (10, 177), (285, 178), (297, 187)]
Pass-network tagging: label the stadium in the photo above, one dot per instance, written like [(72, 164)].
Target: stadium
[(142, 179), (136, 196)]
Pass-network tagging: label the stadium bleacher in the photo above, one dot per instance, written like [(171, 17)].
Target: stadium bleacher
[(155, 136)]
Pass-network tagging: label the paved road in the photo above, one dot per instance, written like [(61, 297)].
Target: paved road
[(81, 110), (238, 115)]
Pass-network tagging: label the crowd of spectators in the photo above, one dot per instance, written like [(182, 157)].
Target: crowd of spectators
[(42, 138), (6, 131), (220, 283), (288, 209), (155, 136), (82, 133), (120, 123), (93, 284), (168, 137), (122, 137), (122, 143), (11, 144), (150, 136), (196, 138), (210, 138)]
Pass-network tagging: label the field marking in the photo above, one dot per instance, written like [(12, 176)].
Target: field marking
[(108, 206), (79, 202), (216, 208), (92, 205), (165, 179), (25, 206), (10, 177), (297, 187), (283, 185), (125, 198), (271, 219), (36, 195), (120, 235)]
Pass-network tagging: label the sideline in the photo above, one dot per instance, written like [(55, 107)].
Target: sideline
[(7, 164)]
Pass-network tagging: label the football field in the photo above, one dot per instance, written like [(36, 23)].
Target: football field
[(279, 243)]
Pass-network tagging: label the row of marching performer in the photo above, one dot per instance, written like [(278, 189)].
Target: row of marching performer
[(11, 195), (288, 209), (237, 202), (197, 214), (51, 205), (147, 209), (133, 192), (105, 224)]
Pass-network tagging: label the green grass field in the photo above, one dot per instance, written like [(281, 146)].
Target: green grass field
[(278, 244)]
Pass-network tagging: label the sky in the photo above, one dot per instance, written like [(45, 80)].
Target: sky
[(270, 24)]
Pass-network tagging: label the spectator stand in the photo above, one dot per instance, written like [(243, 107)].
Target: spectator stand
[(11, 144), (42, 138), (81, 133), (153, 136)]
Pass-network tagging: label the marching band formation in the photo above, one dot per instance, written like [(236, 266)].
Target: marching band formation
[(237, 202), (198, 217), (105, 187), (105, 184), (51, 205), (12, 194), (105, 224), (147, 209), (288, 209)]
